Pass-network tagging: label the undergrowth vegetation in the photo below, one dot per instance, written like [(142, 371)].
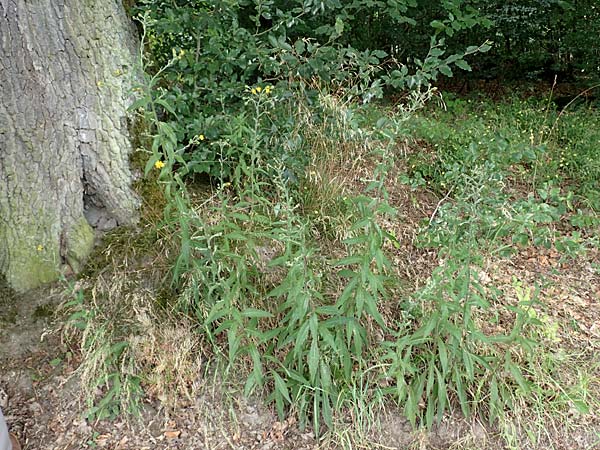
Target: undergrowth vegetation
[(522, 168), (286, 273)]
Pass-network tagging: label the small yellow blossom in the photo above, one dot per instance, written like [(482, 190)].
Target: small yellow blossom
[(159, 164), (253, 90), (40, 247), (268, 89), (258, 89), (201, 137), (100, 84)]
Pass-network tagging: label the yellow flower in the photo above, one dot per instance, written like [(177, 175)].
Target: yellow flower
[(268, 89), (201, 137), (253, 90), (258, 89), (159, 164), (40, 247)]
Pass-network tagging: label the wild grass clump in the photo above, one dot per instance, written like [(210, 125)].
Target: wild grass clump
[(103, 326), (299, 312), (284, 274), (285, 278)]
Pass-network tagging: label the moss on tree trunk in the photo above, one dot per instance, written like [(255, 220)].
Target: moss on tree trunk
[(66, 68)]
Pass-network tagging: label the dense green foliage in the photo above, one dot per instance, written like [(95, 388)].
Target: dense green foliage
[(205, 56), (532, 39), (543, 38)]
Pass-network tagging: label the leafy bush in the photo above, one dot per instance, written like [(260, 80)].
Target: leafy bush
[(205, 56), (256, 280), (306, 324)]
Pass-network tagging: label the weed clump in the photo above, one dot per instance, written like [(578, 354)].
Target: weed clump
[(285, 270)]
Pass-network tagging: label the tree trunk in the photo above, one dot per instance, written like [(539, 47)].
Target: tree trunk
[(66, 68)]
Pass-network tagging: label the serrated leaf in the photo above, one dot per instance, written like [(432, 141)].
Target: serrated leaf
[(236, 236), (518, 376), (165, 105), (347, 273), (485, 48), (356, 240), (339, 26), (249, 385), (371, 308), (327, 310), (494, 402), (167, 130), (362, 223), (437, 25), (272, 40), (460, 392), (468, 363), (442, 395), (240, 216), (281, 386), (139, 103), (443, 355), (325, 377), (150, 163), (278, 291), (301, 338), (299, 46), (314, 325), (327, 410), (257, 368), (327, 337), (317, 412)]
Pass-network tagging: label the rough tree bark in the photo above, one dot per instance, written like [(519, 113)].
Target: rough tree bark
[(65, 73)]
